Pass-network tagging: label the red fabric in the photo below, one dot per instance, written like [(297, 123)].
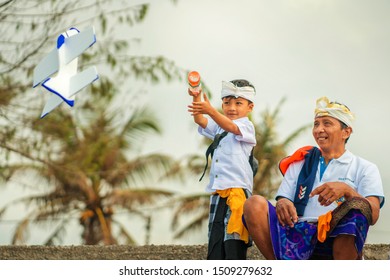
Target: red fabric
[(296, 156)]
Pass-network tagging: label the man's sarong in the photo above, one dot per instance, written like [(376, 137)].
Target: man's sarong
[(301, 243)]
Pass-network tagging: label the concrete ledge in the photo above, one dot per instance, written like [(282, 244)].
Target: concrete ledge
[(150, 252)]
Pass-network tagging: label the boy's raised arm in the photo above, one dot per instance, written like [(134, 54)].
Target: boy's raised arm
[(199, 107), (198, 117)]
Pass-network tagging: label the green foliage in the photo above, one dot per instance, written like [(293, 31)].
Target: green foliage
[(270, 150), (87, 161)]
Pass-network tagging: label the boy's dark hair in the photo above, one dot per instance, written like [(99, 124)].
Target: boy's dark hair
[(242, 83)]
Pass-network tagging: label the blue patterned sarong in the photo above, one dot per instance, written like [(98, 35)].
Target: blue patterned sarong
[(301, 243)]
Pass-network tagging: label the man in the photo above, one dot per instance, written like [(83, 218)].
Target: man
[(327, 200)]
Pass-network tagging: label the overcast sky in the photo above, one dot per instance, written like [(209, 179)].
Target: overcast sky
[(298, 49)]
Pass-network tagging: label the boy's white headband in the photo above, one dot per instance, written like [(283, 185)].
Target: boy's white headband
[(229, 89)]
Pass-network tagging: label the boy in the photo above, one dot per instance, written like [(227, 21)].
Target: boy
[(231, 176)]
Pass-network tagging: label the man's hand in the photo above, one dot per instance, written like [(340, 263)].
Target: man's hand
[(332, 191), (286, 212)]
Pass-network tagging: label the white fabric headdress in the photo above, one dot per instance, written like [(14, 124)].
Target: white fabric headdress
[(338, 111), (229, 89)]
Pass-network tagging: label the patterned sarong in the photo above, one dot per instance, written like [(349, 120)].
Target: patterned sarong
[(220, 214), (214, 201), (301, 243)]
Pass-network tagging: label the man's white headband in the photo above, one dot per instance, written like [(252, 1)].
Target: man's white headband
[(338, 111), (229, 89)]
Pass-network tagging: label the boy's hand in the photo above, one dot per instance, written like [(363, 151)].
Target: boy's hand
[(200, 107), (194, 94)]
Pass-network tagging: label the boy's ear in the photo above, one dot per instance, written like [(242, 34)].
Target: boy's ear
[(251, 105)]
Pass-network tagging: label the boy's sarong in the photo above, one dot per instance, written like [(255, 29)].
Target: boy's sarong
[(301, 243), (220, 214), (215, 200)]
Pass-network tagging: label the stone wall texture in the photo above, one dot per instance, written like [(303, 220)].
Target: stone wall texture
[(149, 252)]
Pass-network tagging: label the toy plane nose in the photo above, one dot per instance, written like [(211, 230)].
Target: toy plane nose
[(60, 41)]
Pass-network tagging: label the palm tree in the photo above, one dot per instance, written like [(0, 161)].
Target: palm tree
[(89, 171), (268, 151), (88, 162)]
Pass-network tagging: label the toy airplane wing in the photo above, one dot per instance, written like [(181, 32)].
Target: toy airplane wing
[(53, 102), (81, 80), (66, 89), (76, 83), (78, 43), (46, 67)]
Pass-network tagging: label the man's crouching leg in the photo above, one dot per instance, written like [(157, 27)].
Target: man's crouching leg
[(256, 219)]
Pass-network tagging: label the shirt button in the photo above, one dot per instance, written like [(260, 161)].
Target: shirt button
[(216, 160), (216, 176)]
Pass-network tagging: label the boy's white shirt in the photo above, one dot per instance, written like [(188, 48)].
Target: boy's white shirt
[(230, 166)]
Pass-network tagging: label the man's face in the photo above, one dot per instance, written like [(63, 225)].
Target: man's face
[(329, 134), (235, 108)]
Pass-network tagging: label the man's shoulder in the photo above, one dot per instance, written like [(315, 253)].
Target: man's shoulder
[(358, 160), (359, 164)]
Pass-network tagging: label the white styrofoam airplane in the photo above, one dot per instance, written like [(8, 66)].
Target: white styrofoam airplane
[(64, 59)]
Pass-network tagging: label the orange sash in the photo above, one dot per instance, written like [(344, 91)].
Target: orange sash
[(235, 201)]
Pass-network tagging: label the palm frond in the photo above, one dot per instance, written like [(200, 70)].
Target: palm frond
[(20, 235), (124, 234), (195, 224), (296, 133), (188, 204), (128, 198), (140, 122), (57, 235), (149, 166)]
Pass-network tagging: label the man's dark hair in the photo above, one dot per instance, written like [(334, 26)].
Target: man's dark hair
[(338, 103), (343, 125)]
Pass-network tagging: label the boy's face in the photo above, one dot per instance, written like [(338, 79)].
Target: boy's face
[(236, 108)]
